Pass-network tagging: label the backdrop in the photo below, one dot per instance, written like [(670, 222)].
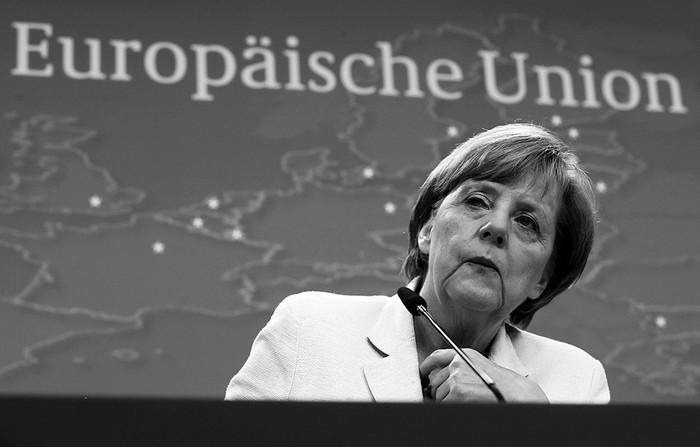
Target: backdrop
[(171, 170)]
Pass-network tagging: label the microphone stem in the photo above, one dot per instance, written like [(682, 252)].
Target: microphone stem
[(482, 374)]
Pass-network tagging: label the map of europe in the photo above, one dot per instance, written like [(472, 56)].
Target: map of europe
[(109, 288)]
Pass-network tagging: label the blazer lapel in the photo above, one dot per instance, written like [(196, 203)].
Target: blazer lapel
[(503, 353), (394, 375)]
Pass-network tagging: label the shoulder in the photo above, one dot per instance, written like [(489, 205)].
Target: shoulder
[(533, 346), (332, 300), (314, 302), (314, 308), (537, 349), (566, 373)]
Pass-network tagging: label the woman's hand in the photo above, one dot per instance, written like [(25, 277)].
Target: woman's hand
[(452, 380)]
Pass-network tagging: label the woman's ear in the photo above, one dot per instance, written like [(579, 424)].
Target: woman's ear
[(424, 237)]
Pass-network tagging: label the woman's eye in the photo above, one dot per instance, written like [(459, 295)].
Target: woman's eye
[(477, 201), (528, 222)]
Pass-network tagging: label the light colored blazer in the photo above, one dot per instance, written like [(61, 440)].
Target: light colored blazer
[(323, 346)]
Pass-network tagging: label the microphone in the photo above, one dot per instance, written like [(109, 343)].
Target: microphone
[(417, 306)]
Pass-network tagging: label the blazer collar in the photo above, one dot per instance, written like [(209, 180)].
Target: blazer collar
[(503, 352), (394, 327), (394, 376)]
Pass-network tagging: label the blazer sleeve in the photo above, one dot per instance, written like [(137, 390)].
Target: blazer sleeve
[(599, 393), (269, 370)]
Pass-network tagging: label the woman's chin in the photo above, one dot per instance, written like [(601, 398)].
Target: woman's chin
[(475, 299)]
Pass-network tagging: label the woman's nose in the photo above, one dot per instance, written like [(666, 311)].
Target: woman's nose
[(493, 233)]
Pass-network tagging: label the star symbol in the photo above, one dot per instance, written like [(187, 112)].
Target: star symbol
[(198, 222), (95, 201), (573, 133), (389, 208), (213, 203), (292, 41), (556, 120), (236, 234), (158, 247)]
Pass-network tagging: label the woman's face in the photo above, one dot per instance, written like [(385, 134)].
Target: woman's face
[(488, 245)]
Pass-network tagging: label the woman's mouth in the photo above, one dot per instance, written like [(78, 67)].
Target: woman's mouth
[(484, 262)]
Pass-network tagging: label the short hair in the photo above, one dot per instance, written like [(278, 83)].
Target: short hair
[(506, 154)]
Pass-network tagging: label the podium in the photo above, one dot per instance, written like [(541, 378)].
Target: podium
[(91, 421)]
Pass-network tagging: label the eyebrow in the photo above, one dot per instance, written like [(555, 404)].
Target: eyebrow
[(480, 185), (488, 186)]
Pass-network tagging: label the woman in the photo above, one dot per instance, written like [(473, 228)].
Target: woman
[(500, 227)]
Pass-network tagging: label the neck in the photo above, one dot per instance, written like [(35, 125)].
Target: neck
[(474, 336)]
